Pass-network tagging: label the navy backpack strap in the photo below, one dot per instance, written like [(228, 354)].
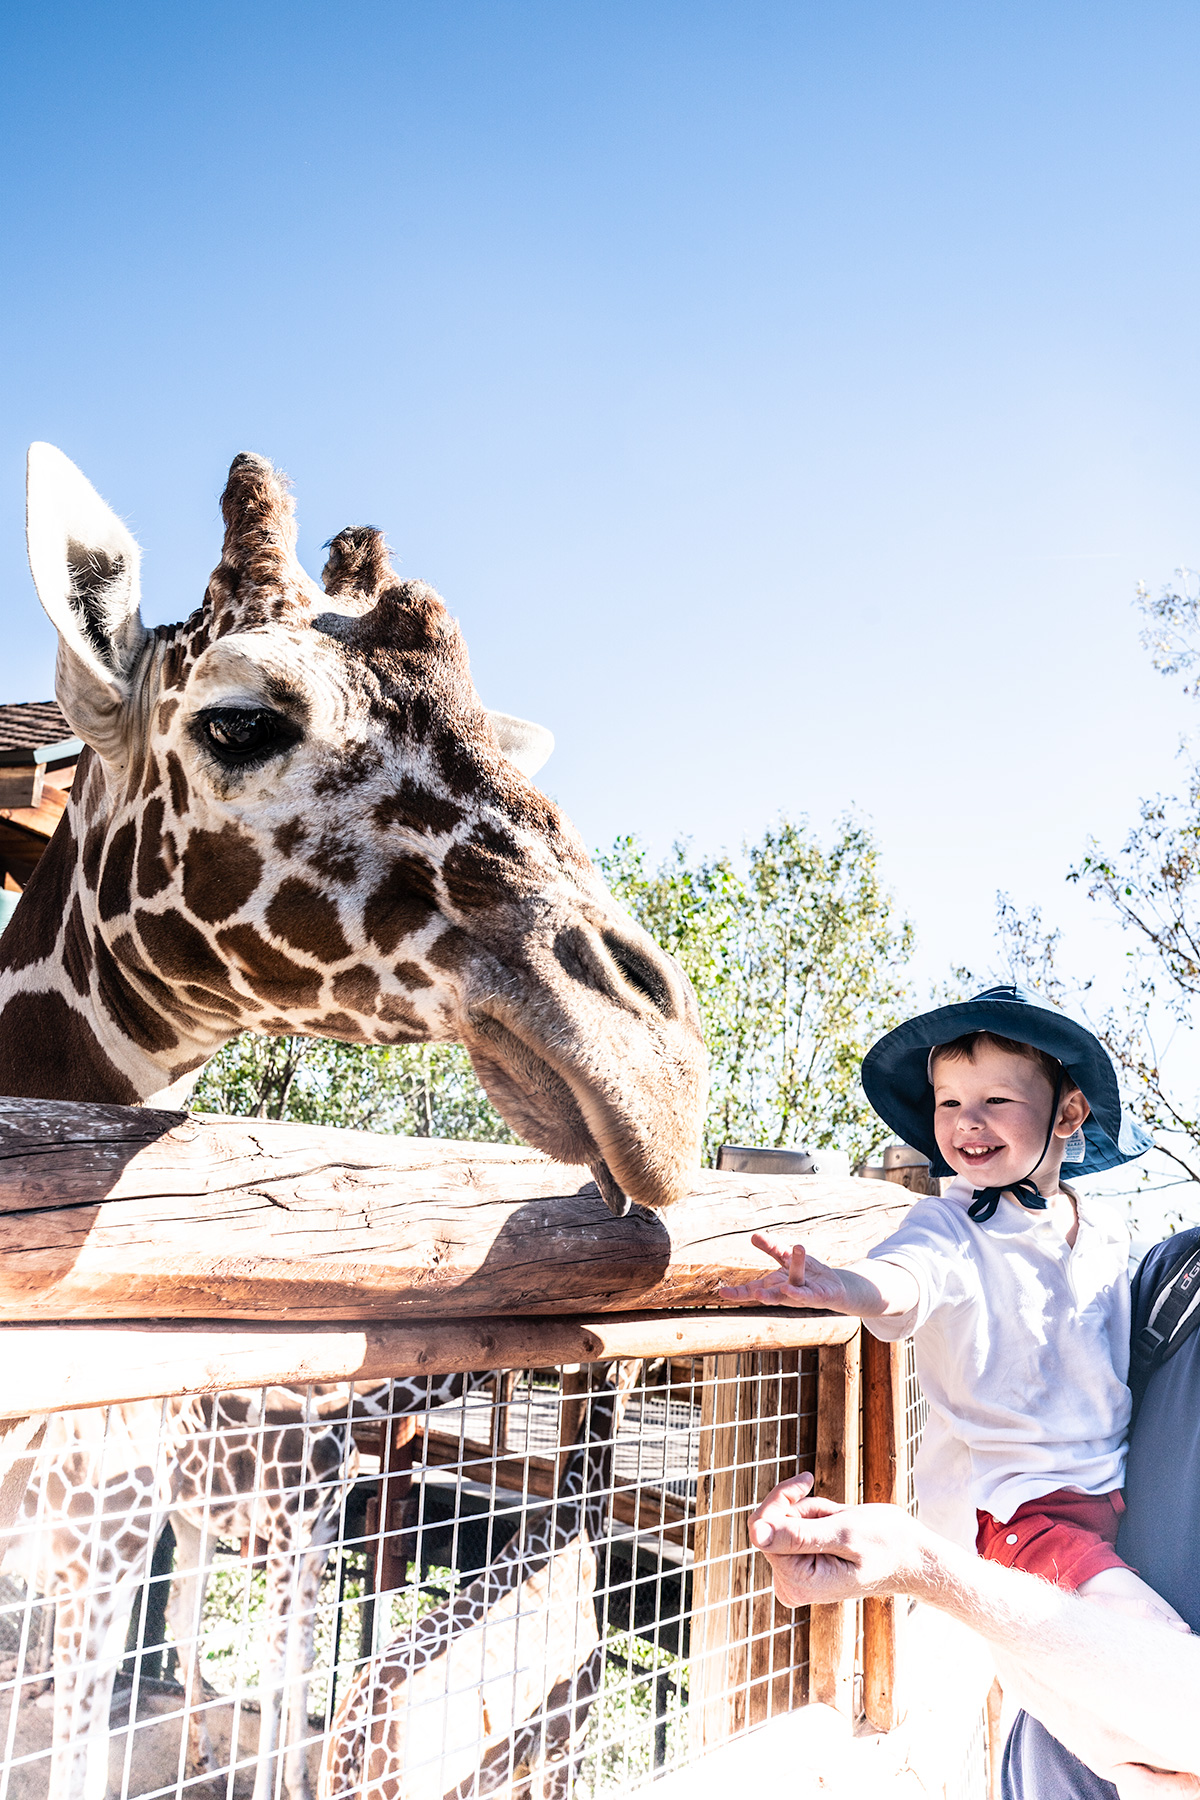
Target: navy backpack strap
[(1174, 1314)]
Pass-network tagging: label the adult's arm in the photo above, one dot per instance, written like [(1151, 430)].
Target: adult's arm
[(1118, 1691)]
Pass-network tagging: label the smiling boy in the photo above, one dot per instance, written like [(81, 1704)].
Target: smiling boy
[(1015, 1289)]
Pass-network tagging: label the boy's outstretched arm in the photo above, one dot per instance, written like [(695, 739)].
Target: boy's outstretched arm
[(867, 1290)]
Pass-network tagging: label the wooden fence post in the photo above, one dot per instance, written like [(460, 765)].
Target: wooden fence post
[(832, 1630), (572, 1407), (884, 1480), (397, 1447), (747, 1651)]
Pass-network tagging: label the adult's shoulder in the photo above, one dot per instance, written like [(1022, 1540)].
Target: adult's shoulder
[(1157, 1265)]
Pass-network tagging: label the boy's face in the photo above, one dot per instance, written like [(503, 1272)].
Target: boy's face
[(990, 1116)]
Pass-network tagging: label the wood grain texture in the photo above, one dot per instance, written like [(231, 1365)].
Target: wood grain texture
[(114, 1212), (832, 1628), (883, 1449), (47, 1367)]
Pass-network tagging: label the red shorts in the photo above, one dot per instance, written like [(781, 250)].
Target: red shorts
[(1065, 1537)]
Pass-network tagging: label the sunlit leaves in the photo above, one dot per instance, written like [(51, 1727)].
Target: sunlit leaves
[(798, 959)]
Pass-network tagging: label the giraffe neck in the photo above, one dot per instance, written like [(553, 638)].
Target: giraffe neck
[(81, 1018)]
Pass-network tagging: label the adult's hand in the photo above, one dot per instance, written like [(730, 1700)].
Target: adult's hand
[(821, 1552)]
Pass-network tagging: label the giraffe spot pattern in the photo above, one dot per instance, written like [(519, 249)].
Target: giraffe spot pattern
[(416, 807), (451, 951), (77, 950), (357, 988), (128, 955), (308, 920), (174, 669), (409, 1026), (125, 1006), (458, 760), (93, 850), (359, 763), (116, 882), (153, 874), (484, 870), (266, 969), (228, 1007), (221, 869), (394, 1009), (180, 793), (181, 952), (166, 712), (334, 858), (336, 1025), (412, 975), (401, 903), (46, 1048), (288, 837)]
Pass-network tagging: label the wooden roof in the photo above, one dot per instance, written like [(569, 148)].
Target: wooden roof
[(27, 726)]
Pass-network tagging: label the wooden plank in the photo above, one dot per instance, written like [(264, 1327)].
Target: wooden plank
[(711, 1714), (832, 1629), (883, 1451), (118, 1212), (571, 1410), (395, 1485), (55, 1367), (644, 1508)]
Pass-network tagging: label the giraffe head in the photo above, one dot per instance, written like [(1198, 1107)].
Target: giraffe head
[(299, 817)]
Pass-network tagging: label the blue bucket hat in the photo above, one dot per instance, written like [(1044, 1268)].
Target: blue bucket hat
[(895, 1073)]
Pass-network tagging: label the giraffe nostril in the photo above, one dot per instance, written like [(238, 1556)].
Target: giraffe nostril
[(640, 972)]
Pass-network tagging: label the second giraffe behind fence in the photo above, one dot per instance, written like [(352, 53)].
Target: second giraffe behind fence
[(498, 1683)]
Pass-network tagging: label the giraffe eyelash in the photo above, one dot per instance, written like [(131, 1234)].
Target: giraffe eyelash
[(240, 736)]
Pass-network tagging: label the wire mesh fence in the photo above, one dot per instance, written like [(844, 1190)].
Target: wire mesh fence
[(526, 1582)]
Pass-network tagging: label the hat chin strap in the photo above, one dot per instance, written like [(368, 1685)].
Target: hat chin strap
[(986, 1200)]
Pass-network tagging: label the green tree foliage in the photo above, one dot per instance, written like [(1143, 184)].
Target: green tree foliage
[(419, 1090), (798, 960)]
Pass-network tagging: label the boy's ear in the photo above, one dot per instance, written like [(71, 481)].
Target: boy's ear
[(85, 568), (1071, 1114)]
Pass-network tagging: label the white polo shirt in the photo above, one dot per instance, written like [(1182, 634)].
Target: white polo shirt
[(1022, 1348)]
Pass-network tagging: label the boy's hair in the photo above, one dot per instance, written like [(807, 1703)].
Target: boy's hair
[(963, 1049)]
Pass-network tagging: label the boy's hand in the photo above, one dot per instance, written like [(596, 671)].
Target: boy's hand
[(800, 1280)]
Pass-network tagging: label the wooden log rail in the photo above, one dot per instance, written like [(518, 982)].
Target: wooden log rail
[(53, 1367), (111, 1212)]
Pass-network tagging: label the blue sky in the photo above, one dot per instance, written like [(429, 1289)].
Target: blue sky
[(787, 398)]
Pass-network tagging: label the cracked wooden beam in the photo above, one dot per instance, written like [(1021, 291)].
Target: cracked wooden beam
[(111, 1212)]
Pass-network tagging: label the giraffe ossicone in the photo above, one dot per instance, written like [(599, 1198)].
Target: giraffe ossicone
[(296, 815)]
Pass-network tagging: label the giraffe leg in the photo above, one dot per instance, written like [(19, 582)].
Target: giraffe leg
[(184, 1616), (298, 1661), (270, 1695), (89, 1647)]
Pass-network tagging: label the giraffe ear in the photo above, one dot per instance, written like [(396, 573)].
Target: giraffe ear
[(524, 743), (85, 568)]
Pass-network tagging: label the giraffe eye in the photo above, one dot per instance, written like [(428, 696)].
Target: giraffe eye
[(242, 734)]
